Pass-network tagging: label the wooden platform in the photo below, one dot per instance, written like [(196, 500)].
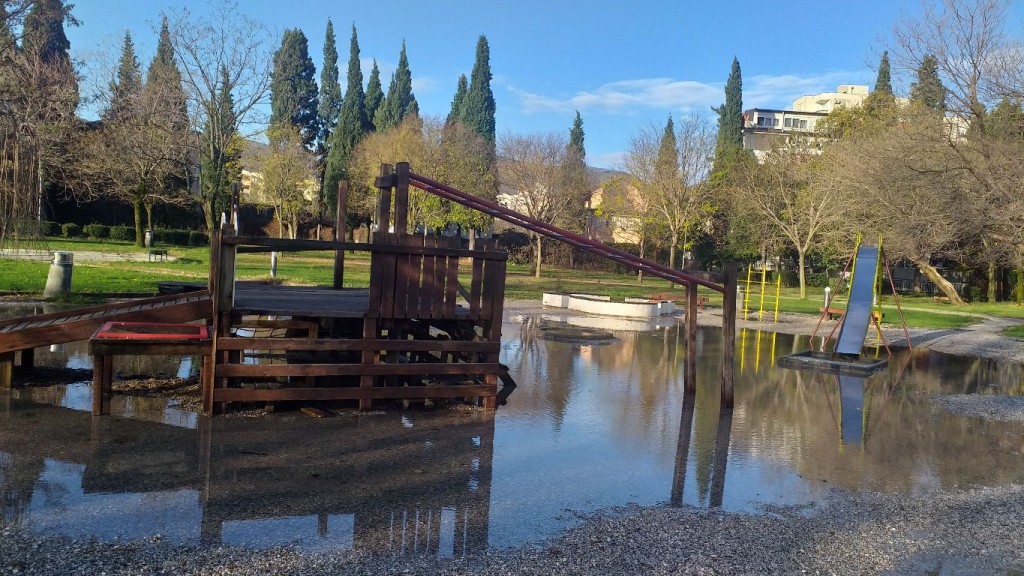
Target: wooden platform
[(300, 301)]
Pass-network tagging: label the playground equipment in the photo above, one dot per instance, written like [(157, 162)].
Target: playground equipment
[(863, 309), (764, 283)]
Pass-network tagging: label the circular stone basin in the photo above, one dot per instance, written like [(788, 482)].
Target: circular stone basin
[(588, 336)]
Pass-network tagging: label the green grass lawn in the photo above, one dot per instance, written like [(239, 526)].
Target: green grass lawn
[(1015, 332), (316, 268)]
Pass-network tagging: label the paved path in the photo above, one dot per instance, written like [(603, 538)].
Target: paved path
[(79, 256)]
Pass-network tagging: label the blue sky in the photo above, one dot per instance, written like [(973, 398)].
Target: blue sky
[(623, 64)]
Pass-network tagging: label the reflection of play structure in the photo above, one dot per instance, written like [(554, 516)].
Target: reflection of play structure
[(750, 282), (862, 310)]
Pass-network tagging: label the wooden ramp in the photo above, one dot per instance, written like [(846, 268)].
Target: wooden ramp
[(25, 334)]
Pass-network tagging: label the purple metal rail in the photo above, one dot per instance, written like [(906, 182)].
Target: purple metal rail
[(549, 231)]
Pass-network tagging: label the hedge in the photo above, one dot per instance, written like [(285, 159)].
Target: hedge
[(122, 233), (97, 231), (70, 230)]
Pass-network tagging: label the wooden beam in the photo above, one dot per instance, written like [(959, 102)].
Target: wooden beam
[(402, 197), (331, 345), (352, 393), (384, 184), (253, 245), (275, 370), (6, 370)]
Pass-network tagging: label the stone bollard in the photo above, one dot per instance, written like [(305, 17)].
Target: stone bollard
[(58, 281)]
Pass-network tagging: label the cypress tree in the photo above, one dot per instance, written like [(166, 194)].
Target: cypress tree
[(730, 116), (928, 90), (352, 125), (219, 162), (396, 104), (883, 83), (127, 86), (478, 107), (666, 165), (163, 76), (293, 92), (374, 93), (575, 180), (576, 147), (7, 41), (330, 88), (43, 33), (458, 101)]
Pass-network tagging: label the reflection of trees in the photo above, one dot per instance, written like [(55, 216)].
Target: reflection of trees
[(904, 441), (17, 481)]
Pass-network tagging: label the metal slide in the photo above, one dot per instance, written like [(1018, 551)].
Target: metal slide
[(858, 310)]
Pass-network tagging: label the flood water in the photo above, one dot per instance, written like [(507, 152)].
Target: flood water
[(588, 427)]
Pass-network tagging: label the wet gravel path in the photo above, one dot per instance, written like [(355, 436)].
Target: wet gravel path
[(950, 532)]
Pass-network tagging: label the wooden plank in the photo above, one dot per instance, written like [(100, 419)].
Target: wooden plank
[(416, 279), (226, 278), (451, 287), (402, 197), (497, 303), (428, 292), (385, 182), (333, 345), (274, 370), (253, 245), (405, 284), (352, 393), (387, 281), (149, 348), (67, 314), (371, 331), (476, 287), (341, 220)]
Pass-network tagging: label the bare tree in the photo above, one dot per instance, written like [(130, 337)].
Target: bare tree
[(531, 182), (286, 178), (222, 53), (787, 192)]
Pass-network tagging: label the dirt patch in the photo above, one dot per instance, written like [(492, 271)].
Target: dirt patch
[(184, 390)]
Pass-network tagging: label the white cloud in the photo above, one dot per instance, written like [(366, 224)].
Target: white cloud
[(628, 96)]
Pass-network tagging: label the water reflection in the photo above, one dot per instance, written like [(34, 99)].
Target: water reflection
[(588, 427)]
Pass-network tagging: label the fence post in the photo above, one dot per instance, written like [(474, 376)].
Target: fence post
[(341, 221), (728, 334)]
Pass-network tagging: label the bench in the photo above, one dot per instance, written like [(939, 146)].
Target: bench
[(142, 338), (701, 300), (158, 253)]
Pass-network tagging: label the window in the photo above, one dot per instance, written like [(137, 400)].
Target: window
[(788, 123)]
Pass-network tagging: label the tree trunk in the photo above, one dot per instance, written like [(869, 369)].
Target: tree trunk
[(941, 283), (472, 238), (640, 273), (992, 282), (536, 271), (149, 215), (1019, 288), (672, 251), (140, 239), (801, 265)]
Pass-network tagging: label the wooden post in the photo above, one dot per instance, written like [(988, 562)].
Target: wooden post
[(402, 198), (384, 184), (690, 364), (6, 370), (339, 234), (226, 278), (728, 335), (102, 374)]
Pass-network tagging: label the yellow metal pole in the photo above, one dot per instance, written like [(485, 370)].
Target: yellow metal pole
[(764, 278), (757, 353), (743, 346), (746, 293)]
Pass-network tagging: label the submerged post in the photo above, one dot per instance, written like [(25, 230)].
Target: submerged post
[(690, 369), (340, 223), (728, 334)]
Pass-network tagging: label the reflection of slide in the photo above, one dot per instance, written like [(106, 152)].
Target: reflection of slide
[(858, 311), (851, 411)]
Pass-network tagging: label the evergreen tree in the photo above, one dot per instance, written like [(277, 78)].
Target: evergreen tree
[(43, 33), (928, 90), (396, 103), (351, 128), (576, 148), (293, 92), (883, 83), (666, 166), (330, 88), (163, 84), (374, 93), (219, 158), (730, 117), (478, 107), (458, 101), (575, 180), (127, 86), (7, 42), (1006, 121)]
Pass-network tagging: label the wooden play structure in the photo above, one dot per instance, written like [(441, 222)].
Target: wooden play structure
[(427, 327)]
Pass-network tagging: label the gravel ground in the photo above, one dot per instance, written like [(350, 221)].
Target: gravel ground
[(948, 531), (953, 532)]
